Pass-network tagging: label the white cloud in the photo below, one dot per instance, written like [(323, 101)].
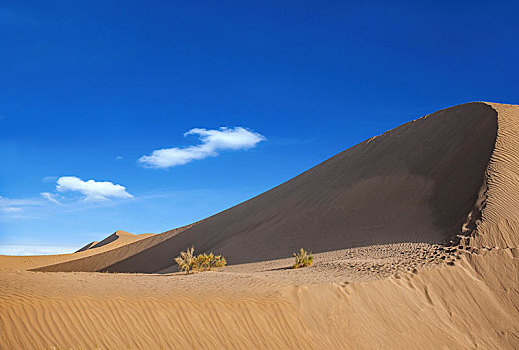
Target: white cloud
[(51, 197), (91, 189), (212, 141)]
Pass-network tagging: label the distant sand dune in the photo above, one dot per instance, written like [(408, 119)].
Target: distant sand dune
[(416, 235), (115, 240), (87, 246)]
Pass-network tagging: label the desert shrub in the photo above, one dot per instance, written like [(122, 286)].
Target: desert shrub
[(206, 262), (187, 261), (303, 259)]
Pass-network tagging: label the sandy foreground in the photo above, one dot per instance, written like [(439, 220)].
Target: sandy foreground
[(416, 235)]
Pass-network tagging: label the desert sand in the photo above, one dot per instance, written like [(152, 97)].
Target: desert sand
[(416, 241)]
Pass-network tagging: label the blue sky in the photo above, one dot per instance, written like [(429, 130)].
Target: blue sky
[(90, 89)]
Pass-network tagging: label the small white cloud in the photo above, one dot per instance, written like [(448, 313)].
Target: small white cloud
[(119, 157), (51, 197), (91, 189), (212, 141)]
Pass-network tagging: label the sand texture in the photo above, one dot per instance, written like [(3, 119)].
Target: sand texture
[(416, 235)]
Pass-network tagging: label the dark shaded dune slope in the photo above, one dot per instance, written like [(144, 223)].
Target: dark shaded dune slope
[(415, 183)]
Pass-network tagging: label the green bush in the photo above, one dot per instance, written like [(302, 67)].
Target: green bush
[(303, 259), (188, 261)]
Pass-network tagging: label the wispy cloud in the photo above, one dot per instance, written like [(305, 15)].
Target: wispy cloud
[(51, 197), (213, 141), (49, 179), (91, 189), (15, 206), (12, 209), (35, 249)]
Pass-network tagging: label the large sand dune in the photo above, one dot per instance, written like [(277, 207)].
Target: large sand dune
[(417, 239), (416, 183)]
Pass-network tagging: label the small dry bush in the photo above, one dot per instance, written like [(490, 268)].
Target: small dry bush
[(188, 261), (303, 259)]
